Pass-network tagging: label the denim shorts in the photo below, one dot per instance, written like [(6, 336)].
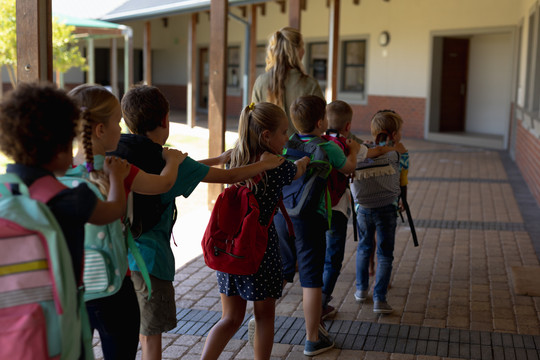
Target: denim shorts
[(158, 314), (308, 249)]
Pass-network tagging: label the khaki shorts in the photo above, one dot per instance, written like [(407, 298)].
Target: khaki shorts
[(158, 315)]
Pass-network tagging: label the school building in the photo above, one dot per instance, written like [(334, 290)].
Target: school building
[(460, 71)]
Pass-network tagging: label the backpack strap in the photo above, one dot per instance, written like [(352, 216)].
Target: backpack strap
[(132, 246), (281, 205), (45, 188)]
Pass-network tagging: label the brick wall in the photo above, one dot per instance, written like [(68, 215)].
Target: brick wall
[(411, 109), (528, 159)]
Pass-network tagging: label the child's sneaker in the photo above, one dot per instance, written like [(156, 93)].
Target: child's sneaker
[(251, 331), (382, 307), (320, 346), (328, 311), (360, 295)]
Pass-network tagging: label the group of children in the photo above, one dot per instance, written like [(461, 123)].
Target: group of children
[(38, 124)]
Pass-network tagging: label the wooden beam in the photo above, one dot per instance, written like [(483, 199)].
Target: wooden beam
[(282, 5), (217, 108), (243, 9), (252, 49), (34, 40), (97, 32), (192, 71), (147, 53), (333, 50), (294, 14)]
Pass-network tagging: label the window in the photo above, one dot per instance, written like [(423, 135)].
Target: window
[(233, 66), (354, 66), (260, 60), (317, 60)]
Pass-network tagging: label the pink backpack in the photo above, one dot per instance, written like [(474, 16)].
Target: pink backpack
[(41, 308)]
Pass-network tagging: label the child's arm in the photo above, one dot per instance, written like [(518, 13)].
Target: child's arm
[(381, 150), (230, 176), (350, 164), (301, 166), (219, 160), (151, 184), (115, 206)]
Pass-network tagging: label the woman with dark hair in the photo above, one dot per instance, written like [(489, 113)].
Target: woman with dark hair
[(285, 78)]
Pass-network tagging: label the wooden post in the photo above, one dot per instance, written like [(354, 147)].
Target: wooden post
[(217, 110), (90, 56), (147, 53), (192, 71), (114, 67), (34, 40), (252, 49), (128, 60), (294, 14), (333, 50)]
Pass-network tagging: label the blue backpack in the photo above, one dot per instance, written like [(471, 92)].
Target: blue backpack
[(304, 194), (41, 307), (105, 246)]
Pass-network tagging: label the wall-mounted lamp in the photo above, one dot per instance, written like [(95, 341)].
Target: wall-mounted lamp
[(165, 22), (384, 38)]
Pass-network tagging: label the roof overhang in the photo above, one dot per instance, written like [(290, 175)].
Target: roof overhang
[(137, 10)]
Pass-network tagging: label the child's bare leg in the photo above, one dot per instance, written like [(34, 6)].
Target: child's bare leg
[(312, 298), (234, 309), (151, 346), (264, 312)]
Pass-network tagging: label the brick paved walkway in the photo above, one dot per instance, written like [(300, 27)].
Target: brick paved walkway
[(453, 295)]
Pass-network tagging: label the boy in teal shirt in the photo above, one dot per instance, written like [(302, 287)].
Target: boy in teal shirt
[(146, 113)]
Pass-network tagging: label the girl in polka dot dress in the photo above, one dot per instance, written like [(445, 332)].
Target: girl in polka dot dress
[(262, 127)]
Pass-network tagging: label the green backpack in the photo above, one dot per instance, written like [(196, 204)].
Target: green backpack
[(105, 246), (42, 309)]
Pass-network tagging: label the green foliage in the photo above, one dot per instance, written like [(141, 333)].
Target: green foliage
[(66, 52), (8, 38)]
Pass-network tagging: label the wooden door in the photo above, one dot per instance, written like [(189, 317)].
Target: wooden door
[(204, 68), (454, 84)]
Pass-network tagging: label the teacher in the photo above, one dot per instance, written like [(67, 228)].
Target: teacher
[(285, 78)]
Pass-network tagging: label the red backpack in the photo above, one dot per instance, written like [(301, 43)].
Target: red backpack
[(337, 181), (235, 241)]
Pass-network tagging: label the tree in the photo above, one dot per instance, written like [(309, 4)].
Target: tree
[(66, 52)]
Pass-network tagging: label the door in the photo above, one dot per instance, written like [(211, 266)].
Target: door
[(454, 84), (203, 78)]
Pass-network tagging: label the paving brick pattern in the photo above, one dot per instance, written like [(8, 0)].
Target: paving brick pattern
[(453, 295)]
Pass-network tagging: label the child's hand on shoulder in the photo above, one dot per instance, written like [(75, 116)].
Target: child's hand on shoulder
[(400, 148), (301, 166), (354, 146), (169, 154), (225, 157), (116, 167), (271, 160)]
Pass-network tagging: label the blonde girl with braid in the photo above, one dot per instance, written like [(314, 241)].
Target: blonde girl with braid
[(262, 127), (116, 317), (285, 78)]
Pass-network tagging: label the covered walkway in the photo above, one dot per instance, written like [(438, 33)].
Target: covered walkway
[(453, 295)]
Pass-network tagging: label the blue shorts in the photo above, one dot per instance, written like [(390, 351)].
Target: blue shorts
[(309, 248)]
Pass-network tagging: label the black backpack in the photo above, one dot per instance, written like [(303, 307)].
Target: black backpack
[(146, 155)]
